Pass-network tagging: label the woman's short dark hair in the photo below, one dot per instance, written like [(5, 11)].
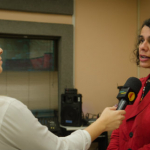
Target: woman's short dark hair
[(136, 51)]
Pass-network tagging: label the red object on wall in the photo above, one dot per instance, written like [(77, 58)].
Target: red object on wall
[(48, 61), (37, 63)]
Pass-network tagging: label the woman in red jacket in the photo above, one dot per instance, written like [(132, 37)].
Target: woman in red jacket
[(134, 133)]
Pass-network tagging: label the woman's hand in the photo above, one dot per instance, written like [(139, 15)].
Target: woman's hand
[(112, 118)]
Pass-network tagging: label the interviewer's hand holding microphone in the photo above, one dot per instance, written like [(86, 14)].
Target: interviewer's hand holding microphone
[(112, 117)]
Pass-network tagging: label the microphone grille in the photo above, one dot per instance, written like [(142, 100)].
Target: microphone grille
[(134, 83)]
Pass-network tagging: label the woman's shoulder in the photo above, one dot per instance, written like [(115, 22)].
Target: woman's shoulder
[(10, 101), (144, 79), (10, 106), (7, 99)]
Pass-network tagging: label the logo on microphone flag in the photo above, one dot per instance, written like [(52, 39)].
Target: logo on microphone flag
[(123, 92), (131, 96)]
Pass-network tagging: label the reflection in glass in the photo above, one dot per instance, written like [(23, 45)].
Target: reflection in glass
[(21, 54)]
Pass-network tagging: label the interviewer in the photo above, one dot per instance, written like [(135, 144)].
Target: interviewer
[(20, 130)]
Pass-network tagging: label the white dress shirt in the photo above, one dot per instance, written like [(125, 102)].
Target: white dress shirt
[(20, 130)]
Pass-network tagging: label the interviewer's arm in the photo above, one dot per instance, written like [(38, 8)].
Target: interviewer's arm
[(21, 130), (110, 119)]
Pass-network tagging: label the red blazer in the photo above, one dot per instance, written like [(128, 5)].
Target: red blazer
[(134, 132)]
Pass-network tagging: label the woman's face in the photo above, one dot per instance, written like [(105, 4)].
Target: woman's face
[(1, 69), (144, 47)]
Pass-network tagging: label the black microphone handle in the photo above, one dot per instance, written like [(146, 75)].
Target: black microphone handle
[(122, 104)]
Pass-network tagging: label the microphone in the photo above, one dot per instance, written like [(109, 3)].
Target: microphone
[(128, 93)]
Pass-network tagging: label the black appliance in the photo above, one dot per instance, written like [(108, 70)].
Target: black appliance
[(71, 109)]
